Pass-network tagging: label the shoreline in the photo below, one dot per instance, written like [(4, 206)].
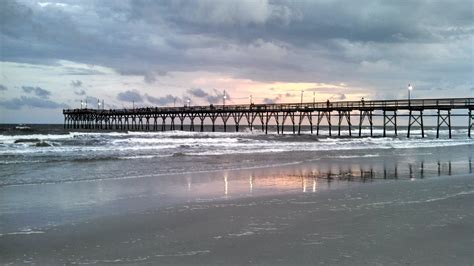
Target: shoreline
[(429, 221)]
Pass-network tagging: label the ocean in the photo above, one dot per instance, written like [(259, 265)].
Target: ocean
[(51, 177)]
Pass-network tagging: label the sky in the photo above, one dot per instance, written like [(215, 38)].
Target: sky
[(53, 54)]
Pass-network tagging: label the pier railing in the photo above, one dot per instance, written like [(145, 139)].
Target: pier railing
[(450, 103)]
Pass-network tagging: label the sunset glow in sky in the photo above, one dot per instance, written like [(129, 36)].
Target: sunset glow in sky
[(56, 53)]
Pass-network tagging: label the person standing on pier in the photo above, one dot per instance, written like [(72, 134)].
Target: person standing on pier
[(327, 103)]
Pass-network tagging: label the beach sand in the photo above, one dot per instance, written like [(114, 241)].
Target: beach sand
[(410, 222)]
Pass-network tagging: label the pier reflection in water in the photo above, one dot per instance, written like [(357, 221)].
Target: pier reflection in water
[(322, 176)]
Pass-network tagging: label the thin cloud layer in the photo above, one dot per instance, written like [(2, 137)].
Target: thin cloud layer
[(26, 101)]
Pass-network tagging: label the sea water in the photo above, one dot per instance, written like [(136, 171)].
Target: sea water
[(50, 176)]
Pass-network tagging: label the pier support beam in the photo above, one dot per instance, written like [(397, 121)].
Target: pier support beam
[(141, 122), (291, 115), (444, 119), (202, 116), (310, 120), (181, 121), (191, 125), (347, 115), (213, 117), (415, 119), (262, 121), (321, 115), (389, 119), (155, 122), (147, 126), (268, 117), (471, 122), (172, 125), (237, 117), (250, 117), (225, 117), (363, 115), (284, 116), (163, 124)]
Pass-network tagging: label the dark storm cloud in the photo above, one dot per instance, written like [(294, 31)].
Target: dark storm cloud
[(3, 87), (364, 42), (37, 91), (130, 96), (24, 101)]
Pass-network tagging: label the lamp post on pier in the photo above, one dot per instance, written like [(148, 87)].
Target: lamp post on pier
[(98, 104), (410, 88), (189, 102), (225, 97), (250, 99), (302, 97)]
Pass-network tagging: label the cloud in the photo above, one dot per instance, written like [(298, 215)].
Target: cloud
[(339, 97), (271, 100), (37, 91), (80, 92), (76, 83), (130, 96), (197, 92), (77, 71), (3, 87), (149, 78), (212, 98), (28, 89), (24, 101), (160, 101), (134, 95)]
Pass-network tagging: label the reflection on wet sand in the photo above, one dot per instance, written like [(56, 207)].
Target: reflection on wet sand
[(322, 176), (470, 165)]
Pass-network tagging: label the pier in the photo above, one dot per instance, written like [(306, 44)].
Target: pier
[(315, 114)]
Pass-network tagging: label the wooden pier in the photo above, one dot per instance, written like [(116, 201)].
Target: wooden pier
[(315, 114)]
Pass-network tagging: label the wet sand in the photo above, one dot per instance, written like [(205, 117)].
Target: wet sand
[(417, 222)]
